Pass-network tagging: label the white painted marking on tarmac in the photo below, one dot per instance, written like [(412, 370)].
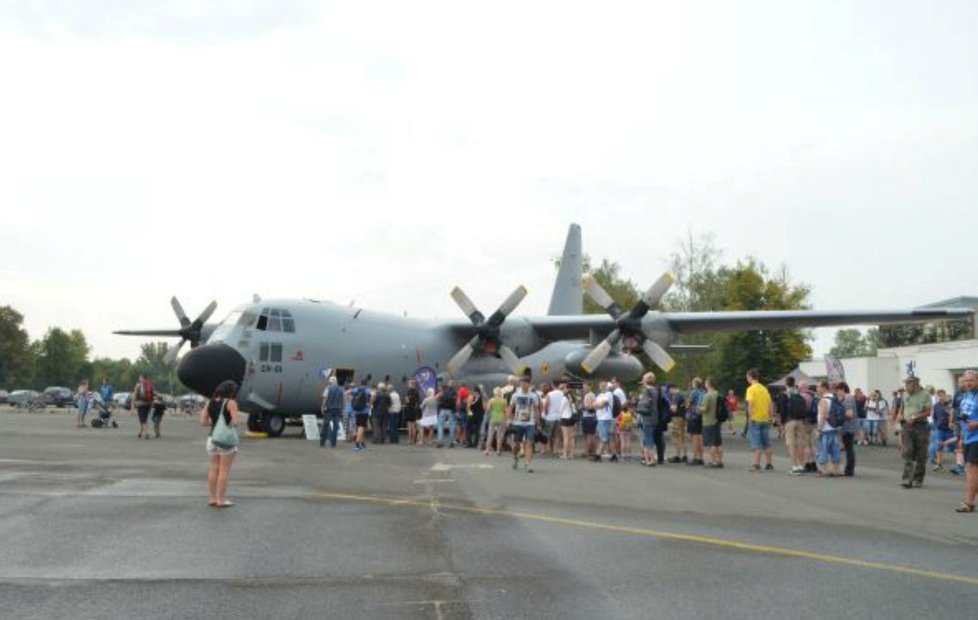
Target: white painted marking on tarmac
[(450, 467), (426, 480)]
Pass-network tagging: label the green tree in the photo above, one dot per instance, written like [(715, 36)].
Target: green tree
[(852, 343), (16, 354), (151, 361), (700, 286), (608, 275), (62, 357), (773, 352)]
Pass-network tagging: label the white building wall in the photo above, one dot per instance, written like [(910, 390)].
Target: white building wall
[(866, 373), (935, 364)]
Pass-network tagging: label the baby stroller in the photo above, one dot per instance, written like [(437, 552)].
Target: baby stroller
[(104, 417)]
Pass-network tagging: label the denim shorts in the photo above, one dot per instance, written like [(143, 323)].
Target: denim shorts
[(828, 447), (941, 436), (524, 433), (760, 436), (604, 430), (648, 436)]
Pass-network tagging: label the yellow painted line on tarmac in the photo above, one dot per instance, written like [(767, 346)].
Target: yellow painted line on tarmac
[(637, 531)]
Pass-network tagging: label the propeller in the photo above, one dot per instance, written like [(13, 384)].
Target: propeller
[(190, 331), (487, 338), (629, 324)]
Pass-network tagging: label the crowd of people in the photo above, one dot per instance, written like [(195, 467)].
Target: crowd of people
[(602, 423)]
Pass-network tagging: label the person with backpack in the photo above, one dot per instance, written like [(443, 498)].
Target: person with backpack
[(795, 414), (142, 402), (915, 432), (360, 403), (380, 406), (648, 412), (713, 407), (694, 420), (677, 417), (332, 409), (809, 450), (447, 401), (831, 417), (850, 428)]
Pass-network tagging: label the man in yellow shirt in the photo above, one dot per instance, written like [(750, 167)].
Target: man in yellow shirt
[(760, 412)]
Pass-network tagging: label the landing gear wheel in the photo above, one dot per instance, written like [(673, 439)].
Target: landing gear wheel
[(255, 423), (275, 424)]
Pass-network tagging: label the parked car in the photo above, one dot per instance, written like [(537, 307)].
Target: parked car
[(56, 396), (190, 403), (22, 398), (169, 399), (122, 400), (4, 396)]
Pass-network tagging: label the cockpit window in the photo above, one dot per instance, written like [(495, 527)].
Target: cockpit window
[(276, 320), (247, 319), (222, 330)]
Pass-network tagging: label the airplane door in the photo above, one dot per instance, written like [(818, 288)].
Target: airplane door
[(343, 375)]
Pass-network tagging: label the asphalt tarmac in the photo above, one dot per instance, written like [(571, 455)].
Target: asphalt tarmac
[(99, 524)]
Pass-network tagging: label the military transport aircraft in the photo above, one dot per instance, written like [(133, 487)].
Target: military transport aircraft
[(283, 351)]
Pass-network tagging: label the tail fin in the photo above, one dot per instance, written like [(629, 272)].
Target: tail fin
[(568, 298)]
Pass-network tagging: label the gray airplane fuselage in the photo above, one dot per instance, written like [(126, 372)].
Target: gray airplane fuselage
[(286, 369)]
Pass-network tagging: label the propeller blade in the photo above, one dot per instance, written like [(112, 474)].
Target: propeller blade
[(178, 310), (174, 333), (172, 352), (512, 360), (507, 307), (208, 311), (467, 306), (600, 352), (658, 290), (601, 296), (658, 355), (459, 359)]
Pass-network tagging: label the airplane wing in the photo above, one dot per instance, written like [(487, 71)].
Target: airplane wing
[(693, 322), (580, 326)]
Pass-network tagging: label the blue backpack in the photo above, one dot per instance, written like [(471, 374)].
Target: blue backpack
[(837, 413)]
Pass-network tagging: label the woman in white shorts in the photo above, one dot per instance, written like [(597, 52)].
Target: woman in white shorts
[(429, 418), (221, 459)]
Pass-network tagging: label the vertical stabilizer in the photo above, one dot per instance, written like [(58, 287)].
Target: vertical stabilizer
[(568, 297)]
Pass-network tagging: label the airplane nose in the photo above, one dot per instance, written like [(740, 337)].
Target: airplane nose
[(205, 367)]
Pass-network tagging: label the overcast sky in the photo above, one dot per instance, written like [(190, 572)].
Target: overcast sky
[(387, 151)]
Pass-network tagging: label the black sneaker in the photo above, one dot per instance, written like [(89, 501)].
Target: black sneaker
[(685, 460), (614, 458), (769, 467), (674, 459)]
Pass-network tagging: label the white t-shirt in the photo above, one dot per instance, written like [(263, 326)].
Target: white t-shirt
[(526, 408), (555, 402), (395, 402), (872, 410), (605, 413)]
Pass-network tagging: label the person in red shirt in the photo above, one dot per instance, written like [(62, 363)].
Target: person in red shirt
[(462, 415), (732, 405)]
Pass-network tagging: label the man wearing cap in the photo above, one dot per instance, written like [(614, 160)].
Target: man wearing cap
[(916, 432)]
